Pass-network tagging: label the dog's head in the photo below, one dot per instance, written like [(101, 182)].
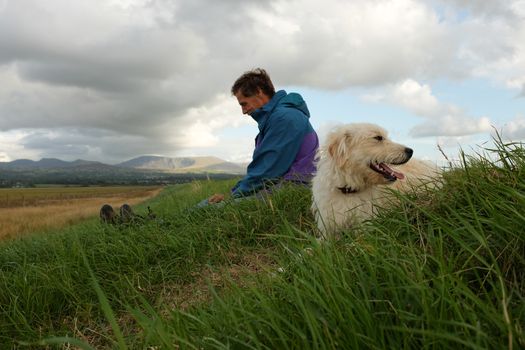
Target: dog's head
[(364, 153)]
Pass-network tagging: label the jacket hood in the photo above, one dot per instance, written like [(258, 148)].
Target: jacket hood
[(282, 99), (294, 100)]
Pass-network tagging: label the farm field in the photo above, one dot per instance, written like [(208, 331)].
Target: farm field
[(30, 210)]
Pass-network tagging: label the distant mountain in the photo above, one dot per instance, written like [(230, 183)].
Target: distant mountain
[(184, 164), (146, 163), (145, 170), (45, 163), (155, 162)]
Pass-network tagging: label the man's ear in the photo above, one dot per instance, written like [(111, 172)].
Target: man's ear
[(262, 96)]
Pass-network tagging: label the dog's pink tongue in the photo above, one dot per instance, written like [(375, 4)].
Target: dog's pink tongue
[(392, 172)]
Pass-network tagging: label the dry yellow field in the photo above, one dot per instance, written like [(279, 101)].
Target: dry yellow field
[(30, 210)]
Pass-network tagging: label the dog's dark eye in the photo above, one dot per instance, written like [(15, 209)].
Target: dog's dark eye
[(379, 138)]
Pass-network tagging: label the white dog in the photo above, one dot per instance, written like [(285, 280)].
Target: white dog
[(354, 167)]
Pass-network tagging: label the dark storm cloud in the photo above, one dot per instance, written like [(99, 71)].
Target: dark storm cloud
[(90, 144)]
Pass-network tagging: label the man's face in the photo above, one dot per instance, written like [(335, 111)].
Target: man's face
[(250, 104)]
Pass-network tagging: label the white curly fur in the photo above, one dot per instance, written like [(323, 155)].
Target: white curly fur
[(344, 162)]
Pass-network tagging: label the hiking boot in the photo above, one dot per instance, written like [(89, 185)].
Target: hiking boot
[(107, 214), (126, 213)]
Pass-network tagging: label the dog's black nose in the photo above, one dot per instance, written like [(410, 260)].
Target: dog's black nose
[(409, 151)]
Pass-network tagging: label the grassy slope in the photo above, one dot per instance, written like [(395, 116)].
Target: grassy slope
[(441, 270)]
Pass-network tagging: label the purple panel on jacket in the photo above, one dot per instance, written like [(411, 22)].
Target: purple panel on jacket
[(303, 167)]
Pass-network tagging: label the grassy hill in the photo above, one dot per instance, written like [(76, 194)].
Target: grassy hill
[(441, 270)]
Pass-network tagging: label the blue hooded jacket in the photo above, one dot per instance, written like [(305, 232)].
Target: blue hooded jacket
[(285, 147)]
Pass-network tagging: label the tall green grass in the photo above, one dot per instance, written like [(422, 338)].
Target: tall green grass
[(441, 269)]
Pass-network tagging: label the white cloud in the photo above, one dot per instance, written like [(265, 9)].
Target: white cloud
[(485, 8), (492, 35), (441, 119), (417, 98), (342, 43), (514, 129), (452, 125), (10, 143), (202, 124)]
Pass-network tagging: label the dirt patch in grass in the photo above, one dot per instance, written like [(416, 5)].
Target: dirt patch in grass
[(241, 271)]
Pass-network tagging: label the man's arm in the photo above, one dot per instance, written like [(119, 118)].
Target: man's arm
[(276, 153)]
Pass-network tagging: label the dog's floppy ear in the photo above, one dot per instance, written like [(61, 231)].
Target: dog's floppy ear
[(337, 148)]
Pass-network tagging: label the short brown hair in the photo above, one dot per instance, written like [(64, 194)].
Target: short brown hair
[(252, 81)]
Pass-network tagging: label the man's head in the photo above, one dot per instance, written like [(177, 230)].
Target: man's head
[(253, 90)]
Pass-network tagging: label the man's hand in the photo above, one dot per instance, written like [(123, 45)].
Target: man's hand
[(216, 198)]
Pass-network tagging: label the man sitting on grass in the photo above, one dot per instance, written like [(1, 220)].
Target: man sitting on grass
[(286, 145)]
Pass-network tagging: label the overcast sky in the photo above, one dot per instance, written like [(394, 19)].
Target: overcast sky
[(110, 80)]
